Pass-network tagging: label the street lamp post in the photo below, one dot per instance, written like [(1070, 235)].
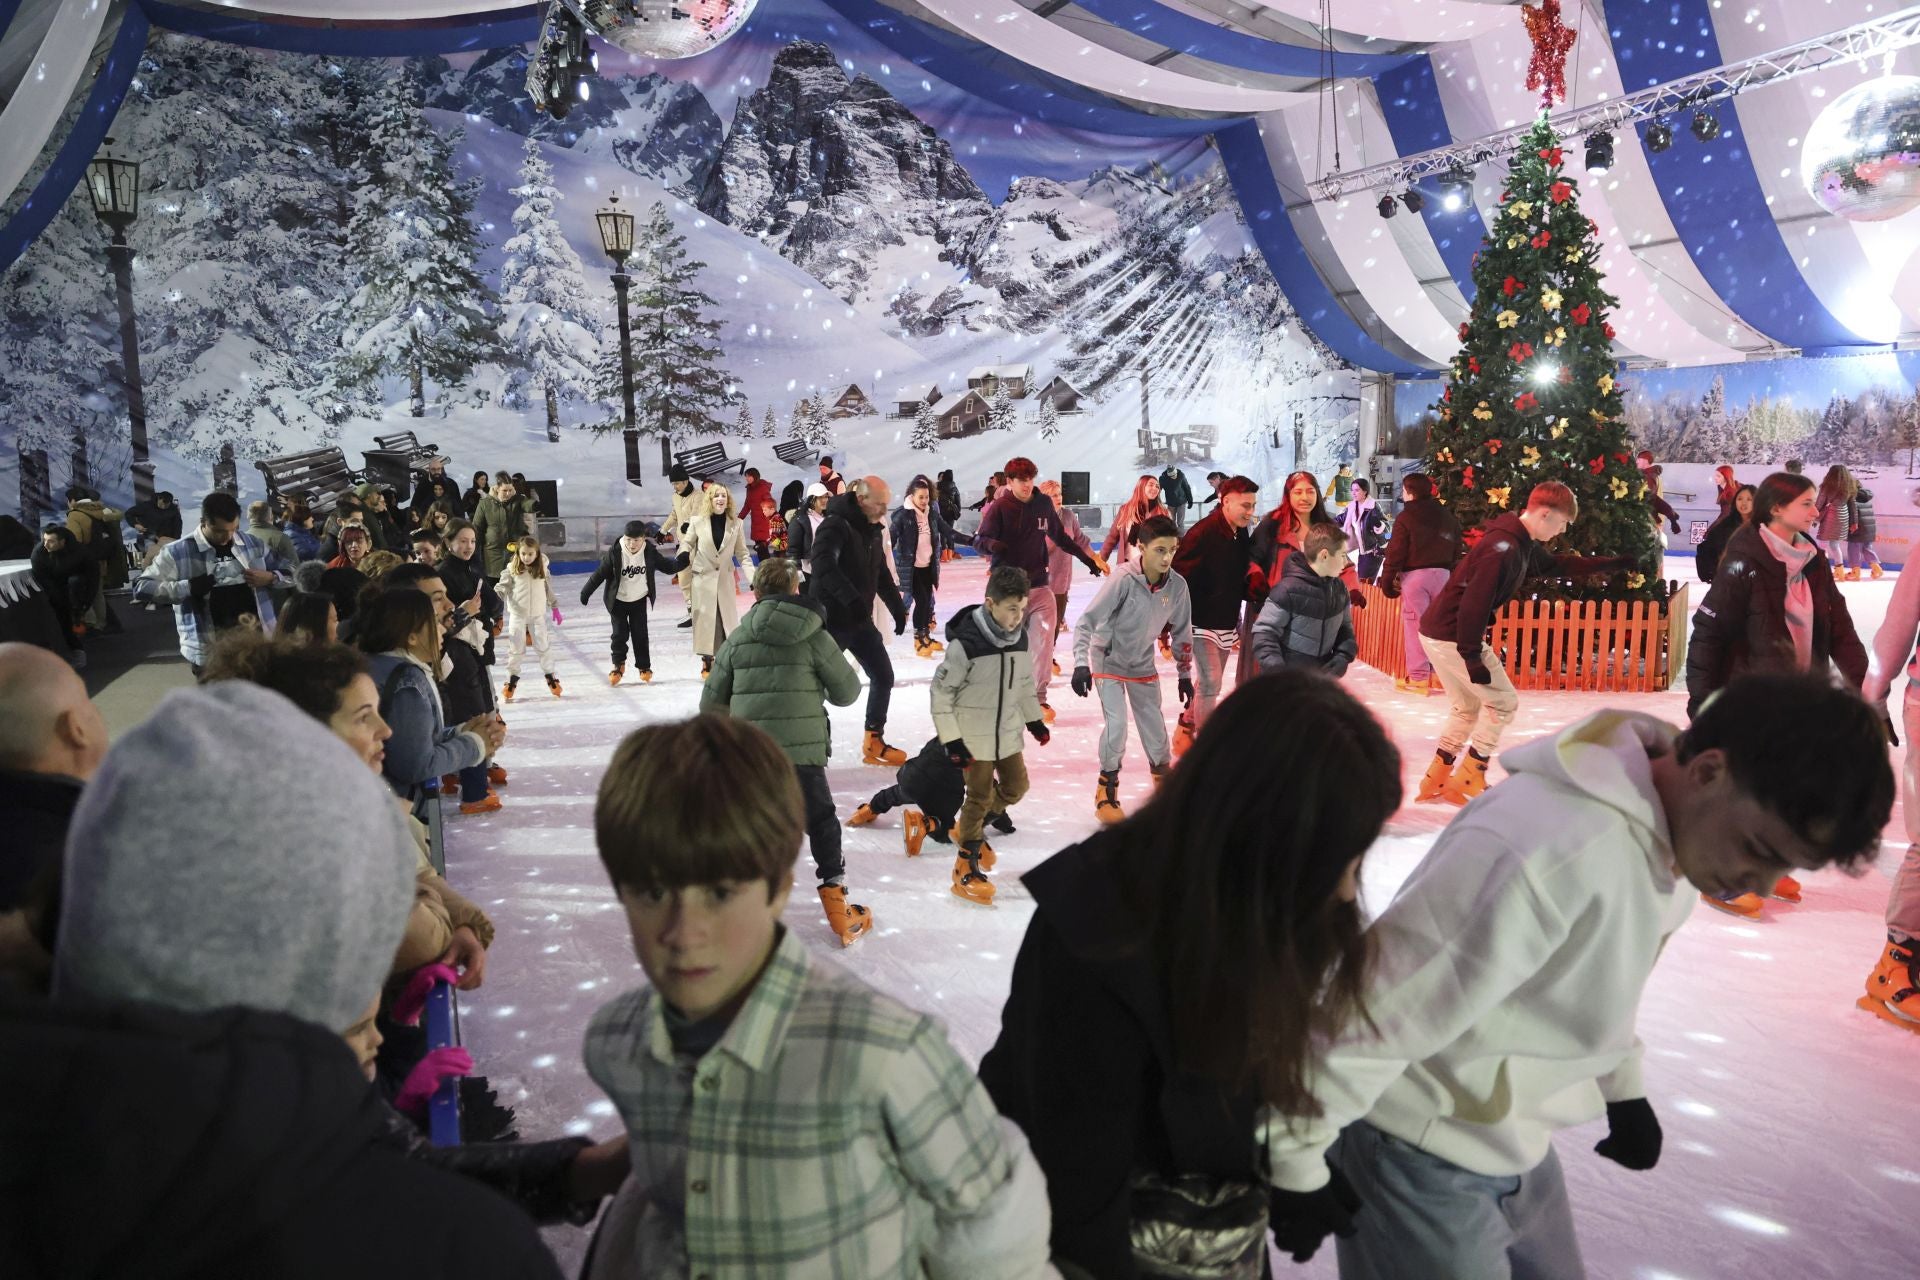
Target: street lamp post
[(114, 185), (616, 238)]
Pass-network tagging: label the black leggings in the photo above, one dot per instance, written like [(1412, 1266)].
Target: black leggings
[(922, 588), (630, 620)]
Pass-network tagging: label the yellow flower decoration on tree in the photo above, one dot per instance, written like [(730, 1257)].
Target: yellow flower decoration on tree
[(1522, 209), (1498, 497), (1636, 580), (1550, 300), (1514, 242), (1573, 254), (1530, 456), (1482, 412), (1606, 385), (1641, 494), (1618, 486), (1507, 319), (1559, 428)]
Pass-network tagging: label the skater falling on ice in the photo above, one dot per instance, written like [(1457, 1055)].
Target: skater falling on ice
[(1114, 650), (526, 588), (1123, 1054), (936, 787), (983, 695), (779, 669), (1307, 620), (1773, 607), (715, 549), (626, 571), (1509, 968)]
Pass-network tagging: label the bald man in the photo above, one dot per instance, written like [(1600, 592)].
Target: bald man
[(849, 570), (51, 740)]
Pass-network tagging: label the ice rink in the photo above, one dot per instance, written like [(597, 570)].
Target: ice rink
[(1792, 1130)]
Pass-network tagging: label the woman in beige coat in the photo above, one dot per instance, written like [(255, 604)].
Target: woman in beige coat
[(714, 546)]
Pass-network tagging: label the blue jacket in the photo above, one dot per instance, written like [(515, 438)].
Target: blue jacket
[(423, 745), (906, 540)]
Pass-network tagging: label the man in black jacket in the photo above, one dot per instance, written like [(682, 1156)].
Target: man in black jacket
[(1421, 553), (627, 573), (1213, 558), (849, 570), (1512, 548), (51, 741)]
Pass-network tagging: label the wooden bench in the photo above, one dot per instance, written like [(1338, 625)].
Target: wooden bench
[(394, 458), (703, 462), (796, 453), (319, 475), (1197, 445)]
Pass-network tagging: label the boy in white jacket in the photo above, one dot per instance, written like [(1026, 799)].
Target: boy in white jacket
[(526, 588), (1510, 967)]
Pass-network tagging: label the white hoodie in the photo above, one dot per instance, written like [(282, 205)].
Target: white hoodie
[(1511, 964)]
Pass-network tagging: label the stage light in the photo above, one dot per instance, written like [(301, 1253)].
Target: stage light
[(1387, 207), (1599, 151), (1414, 201), (1659, 136), (1544, 373), (1456, 188), (1706, 125)]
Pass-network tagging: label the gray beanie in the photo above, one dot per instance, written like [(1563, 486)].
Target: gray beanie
[(233, 851)]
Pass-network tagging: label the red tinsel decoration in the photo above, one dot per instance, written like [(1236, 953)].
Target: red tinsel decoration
[(1552, 39)]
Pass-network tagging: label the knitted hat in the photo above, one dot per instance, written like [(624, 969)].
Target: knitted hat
[(676, 473), (233, 851)]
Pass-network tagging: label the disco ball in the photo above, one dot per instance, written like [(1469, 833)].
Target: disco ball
[(1861, 158), (663, 28)]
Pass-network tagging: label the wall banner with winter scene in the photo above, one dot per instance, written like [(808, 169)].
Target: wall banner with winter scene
[(835, 252)]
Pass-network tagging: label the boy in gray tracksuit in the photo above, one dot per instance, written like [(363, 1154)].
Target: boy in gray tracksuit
[(1114, 644), (983, 695)]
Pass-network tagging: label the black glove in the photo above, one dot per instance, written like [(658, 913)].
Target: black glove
[(1039, 730), (201, 585), (1186, 691), (1357, 598), (900, 623), (1301, 1220), (1676, 526), (1082, 681), (1391, 590), (1633, 1135), (958, 753), (1886, 724), (1477, 671), (583, 599)]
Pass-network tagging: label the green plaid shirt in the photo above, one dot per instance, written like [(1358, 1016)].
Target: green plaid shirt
[(832, 1133)]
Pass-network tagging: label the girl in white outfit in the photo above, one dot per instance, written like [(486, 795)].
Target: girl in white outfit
[(713, 546), (527, 590)]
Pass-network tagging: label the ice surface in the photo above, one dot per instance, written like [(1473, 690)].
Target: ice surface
[(1792, 1136)]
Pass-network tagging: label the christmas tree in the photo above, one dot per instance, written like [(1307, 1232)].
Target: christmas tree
[(1049, 420), (1532, 395), (769, 426), (548, 324), (926, 428), (743, 422), (1000, 414)]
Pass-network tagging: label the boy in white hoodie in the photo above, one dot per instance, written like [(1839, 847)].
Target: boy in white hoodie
[(1510, 967)]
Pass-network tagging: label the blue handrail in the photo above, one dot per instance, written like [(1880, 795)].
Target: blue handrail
[(443, 1030)]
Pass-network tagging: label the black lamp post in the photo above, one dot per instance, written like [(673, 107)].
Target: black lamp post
[(114, 185), (616, 237)]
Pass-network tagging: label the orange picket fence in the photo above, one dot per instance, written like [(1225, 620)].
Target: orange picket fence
[(1612, 646)]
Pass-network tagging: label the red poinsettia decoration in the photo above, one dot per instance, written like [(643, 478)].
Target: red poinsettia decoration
[(1510, 286), (1597, 465), (1493, 446), (1525, 401), (1473, 364), (1553, 156), (1466, 477), (1581, 314), (1463, 331), (1444, 395), (1607, 329), (1540, 241), (1520, 351), (1621, 458), (1560, 193)]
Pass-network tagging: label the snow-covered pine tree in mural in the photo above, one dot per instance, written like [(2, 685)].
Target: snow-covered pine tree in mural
[(743, 422), (680, 389), (816, 428), (1049, 419), (1001, 415), (421, 309), (770, 426), (926, 428), (549, 327)]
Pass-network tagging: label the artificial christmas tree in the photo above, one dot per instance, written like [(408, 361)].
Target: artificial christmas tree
[(926, 429), (1532, 394), (1049, 420)]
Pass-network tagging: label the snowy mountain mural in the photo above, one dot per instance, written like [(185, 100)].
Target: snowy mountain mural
[(846, 229)]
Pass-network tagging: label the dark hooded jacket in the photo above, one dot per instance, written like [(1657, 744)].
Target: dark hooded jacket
[(848, 569)]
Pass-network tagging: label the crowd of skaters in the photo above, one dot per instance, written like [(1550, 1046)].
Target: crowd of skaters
[(1138, 1115)]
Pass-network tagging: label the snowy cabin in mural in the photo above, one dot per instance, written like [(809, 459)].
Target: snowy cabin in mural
[(967, 416), (907, 400), (987, 379), (852, 402), (1061, 394)]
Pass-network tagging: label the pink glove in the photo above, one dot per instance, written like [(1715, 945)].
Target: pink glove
[(556, 615), (412, 1000), (426, 1076)]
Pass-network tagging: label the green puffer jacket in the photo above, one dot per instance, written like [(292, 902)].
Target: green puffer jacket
[(775, 669), (497, 523)]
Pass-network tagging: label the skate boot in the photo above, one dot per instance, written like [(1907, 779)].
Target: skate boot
[(938, 832), (646, 677), (1876, 570), (1159, 772), (934, 647), (496, 775), (914, 830), (848, 920), (1046, 712), (1468, 780), (1001, 822), (920, 645), (449, 784), (513, 684), (1853, 575), (553, 685), (489, 803), (613, 676), (706, 669), (1439, 773), (1418, 688), (874, 750), (987, 856), (862, 817), (684, 623), (1747, 905), (1893, 988), (1182, 738), (1056, 668), (1106, 797), (969, 880), (1786, 888)]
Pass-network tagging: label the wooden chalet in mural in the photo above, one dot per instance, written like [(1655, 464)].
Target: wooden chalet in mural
[(852, 402), (966, 416), (907, 400), (987, 379), (1063, 395)]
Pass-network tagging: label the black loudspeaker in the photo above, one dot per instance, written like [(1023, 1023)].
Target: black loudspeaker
[(1075, 488), (547, 494)]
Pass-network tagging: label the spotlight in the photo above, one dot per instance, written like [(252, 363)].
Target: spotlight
[(1456, 188), (1414, 201), (1706, 125), (1659, 136), (1545, 373), (1387, 207), (1599, 151), (583, 89)]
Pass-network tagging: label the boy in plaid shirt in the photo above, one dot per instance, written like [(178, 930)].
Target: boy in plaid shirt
[(783, 1119)]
